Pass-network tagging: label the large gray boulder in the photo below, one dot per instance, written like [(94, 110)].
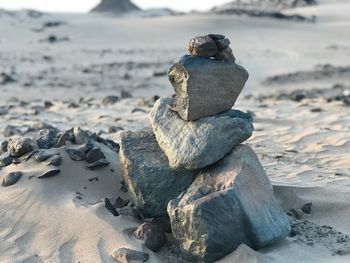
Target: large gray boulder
[(228, 204), (151, 182), (205, 86), (197, 144)]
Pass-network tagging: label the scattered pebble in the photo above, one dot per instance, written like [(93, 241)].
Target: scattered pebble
[(49, 173), (11, 178)]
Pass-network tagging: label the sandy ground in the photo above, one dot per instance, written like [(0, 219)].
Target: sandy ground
[(304, 146)]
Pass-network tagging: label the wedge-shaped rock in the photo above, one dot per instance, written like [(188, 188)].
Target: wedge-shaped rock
[(228, 204), (197, 144), (205, 86), (150, 180)]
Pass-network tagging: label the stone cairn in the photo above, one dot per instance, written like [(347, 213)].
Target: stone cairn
[(193, 167)]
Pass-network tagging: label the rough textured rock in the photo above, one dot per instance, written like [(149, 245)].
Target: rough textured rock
[(205, 86), (11, 178), (204, 46), (67, 136), (78, 152), (46, 138), (19, 146), (94, 155), (125, 255), (42, 155), (153, 235), (147, 174), (194, 145), (228, 204), (81, 136), (225, 54)]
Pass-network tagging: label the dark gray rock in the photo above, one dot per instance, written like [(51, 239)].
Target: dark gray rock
[(110, 100), (81, 136), (194, 145), (98, 164), (5, 159), (153, 235), (125, 94), (225, 54), (42, 155), (125, 255), (46, 138), (205, 87), (203, 46), (78, 152), (49, 173), (147, 174), (307, 208), (3, 147), (94, 155), (55, 160), (11, 178), (113, 129), (3, 111), (222, 43), (228, 204), (67, 136), (19, 146), (115, 7)]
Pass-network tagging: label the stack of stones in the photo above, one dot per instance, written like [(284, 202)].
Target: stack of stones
[(193, 166)]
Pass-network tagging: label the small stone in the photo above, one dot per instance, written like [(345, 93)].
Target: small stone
[(48, 104), (113, 129), (46, 138), (98, 164), (55, 161), (78, 153), (18, 146), (110, 100), (94, 155), (3, 111), (81, 136), (41, 156), (153, 236), (225, 54), (205, 87), (67, 136), (11, 130), (125, 255), (49, 173), (306, 208), (196, 144), (11, 178), (5, 159), (110, 207), (222, 43), (203, 46)]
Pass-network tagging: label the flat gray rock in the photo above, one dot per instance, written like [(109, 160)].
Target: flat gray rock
[(197, 144), (228, 204), (151, 182), (205, 86), (11, 178)]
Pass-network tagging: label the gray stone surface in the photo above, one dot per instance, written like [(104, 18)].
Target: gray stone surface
[(228, 204), (204, 46), (152, 234), (197, 144), (19, 146), (78, 152), (98, 164), (49, 173), (11, 178), (150, 180), (94, 155), (55, 160), (205, 86), (5, 159), (126, 255), (46, 138), (225, 54), (42, 155), (81, 136)]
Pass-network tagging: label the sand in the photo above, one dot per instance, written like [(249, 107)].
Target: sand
[(306, 152)]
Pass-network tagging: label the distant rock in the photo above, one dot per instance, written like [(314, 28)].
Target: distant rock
[(205, 87), (110, 100), (6, 78), (19, 146), (197, 144), (228, 204), (126, 255), (115, 7), (147, 174), (11, 178)]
